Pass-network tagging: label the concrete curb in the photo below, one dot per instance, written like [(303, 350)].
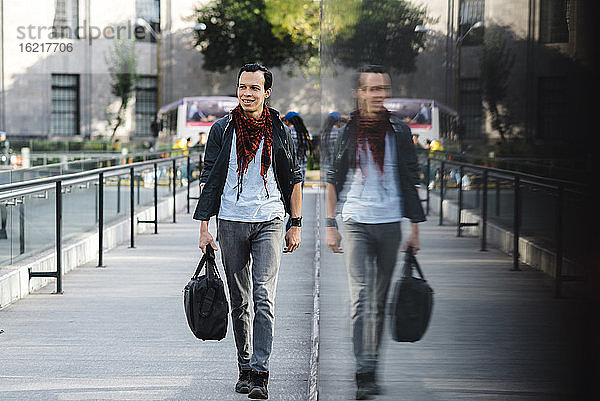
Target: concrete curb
[(530, 253), (14, 279)]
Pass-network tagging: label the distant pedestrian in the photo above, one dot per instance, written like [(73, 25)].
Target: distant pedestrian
[(329, 135), (301, 138), (375, 173), (250, 181)]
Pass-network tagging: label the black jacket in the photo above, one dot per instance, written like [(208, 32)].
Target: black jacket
[(408, 167), (216, 162)]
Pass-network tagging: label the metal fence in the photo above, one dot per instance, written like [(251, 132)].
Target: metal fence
[(39, 214), (548, 210), (54, 165)]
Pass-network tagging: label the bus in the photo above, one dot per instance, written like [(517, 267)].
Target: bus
[(192, 117), (425, 117)]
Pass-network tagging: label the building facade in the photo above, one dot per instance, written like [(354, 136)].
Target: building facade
[(55, 80), (548, 43)]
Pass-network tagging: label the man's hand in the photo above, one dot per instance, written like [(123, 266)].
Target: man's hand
[(292, 239), (206, 238), (334, 239), (413, 239)]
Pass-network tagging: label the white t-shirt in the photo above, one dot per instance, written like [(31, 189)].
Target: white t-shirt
[(253, 205), (374, 198)]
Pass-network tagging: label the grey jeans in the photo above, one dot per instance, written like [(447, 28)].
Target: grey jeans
[(371, 252), (251, 253)]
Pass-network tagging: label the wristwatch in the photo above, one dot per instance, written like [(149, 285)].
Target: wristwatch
[(331, 222), (296, 221)]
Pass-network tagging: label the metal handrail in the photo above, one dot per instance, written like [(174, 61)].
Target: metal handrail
[(11, 191), (111, 156), (517, 178), (524, 162)]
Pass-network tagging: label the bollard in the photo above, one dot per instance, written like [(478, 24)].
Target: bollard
[(516, 221)]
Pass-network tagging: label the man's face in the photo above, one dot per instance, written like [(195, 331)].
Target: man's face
[(251, 91), (374, 88)]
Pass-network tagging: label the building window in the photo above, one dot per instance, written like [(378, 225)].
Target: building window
[(471, 11), (553, 21), (66, 19), (471, 107), (145, 105), (552, 108), (65, 105), (148, 10)]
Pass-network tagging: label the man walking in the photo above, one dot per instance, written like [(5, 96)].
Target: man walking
[(375, 173), (250, 180)]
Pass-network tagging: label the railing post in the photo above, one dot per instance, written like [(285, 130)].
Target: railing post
[(131, 206), (460, 202), (100, 217), (516, 221), (118, 194), (484, 211), (139, 178), (428, 181), (442, 184), (189, 179), (59, 237), (497, 196), (96, 204), (174, 189), (155, 198), (477, 194), (559, 241), (22, 227)]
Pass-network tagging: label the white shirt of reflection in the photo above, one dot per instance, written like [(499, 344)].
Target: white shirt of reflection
[(372, 197)]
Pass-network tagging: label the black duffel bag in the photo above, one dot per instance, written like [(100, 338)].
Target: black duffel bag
[(204, 300), (412, 303)]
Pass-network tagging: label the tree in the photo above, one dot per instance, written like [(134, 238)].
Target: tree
[(496, 64), (383, 33), (272, 32), (122, 65)]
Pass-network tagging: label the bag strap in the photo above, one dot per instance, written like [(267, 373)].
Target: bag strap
[(409, 261), (208, 259)]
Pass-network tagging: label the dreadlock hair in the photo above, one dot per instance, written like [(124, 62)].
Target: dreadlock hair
[(302, 133)]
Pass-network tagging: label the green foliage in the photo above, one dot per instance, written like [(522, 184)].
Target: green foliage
[(122, 63), (496, 64), (375, 32), (272, 32)]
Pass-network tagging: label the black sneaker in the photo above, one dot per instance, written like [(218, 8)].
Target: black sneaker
[(258, 385), (243, 384)]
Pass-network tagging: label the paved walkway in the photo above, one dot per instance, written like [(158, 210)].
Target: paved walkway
[(119, 332), (495, 334)]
